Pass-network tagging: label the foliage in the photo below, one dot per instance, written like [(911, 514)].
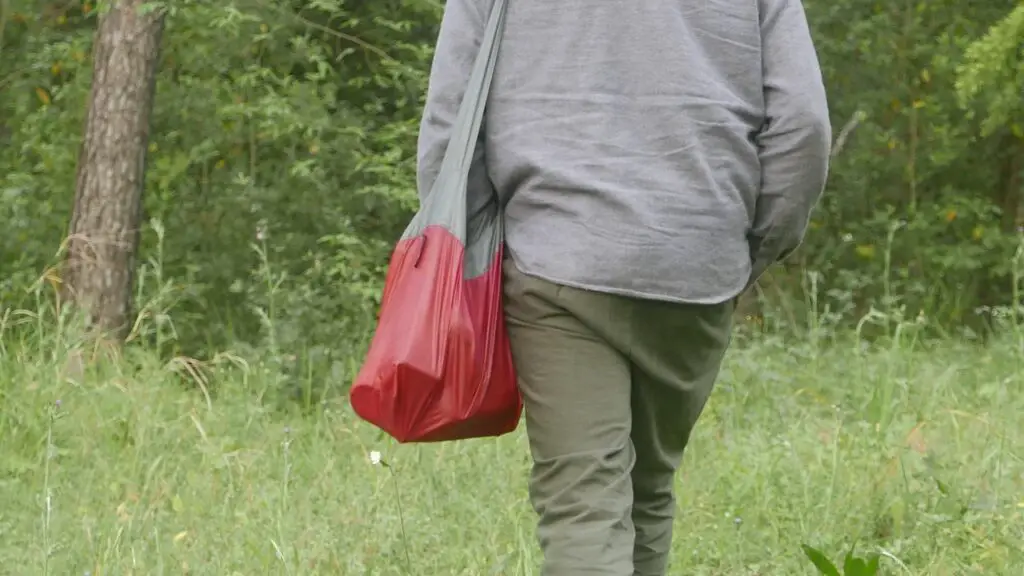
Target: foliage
[(921, 209), (283, 136), (992, 77), (281, 166), (852, 565)]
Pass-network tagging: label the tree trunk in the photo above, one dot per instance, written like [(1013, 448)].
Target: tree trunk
[(104, 233)]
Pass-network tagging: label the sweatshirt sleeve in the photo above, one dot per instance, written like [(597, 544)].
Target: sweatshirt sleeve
[(795, 142), (458, 42)]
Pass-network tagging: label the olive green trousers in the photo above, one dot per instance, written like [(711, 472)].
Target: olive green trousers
[(612, 387)]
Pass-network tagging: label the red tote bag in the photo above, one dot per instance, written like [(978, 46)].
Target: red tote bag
[(439, 365)]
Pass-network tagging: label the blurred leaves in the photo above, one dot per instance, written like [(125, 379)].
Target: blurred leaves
[(992, 75)]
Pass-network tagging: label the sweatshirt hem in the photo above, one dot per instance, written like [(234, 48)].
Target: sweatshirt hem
[(730, 294)]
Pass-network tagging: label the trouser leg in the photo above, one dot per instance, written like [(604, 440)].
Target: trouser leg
[(575, 390), (675, 362), (612, 387)]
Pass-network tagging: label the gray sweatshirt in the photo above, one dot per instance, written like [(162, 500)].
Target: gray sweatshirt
[(662, 149)]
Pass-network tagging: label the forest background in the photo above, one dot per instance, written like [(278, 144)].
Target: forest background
[(279, 145)]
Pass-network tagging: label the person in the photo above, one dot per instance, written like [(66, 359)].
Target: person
[(653, 158)]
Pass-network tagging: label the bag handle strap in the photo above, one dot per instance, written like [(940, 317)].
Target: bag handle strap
[(458, 155)]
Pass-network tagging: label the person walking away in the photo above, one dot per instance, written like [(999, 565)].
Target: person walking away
[(654, 158)]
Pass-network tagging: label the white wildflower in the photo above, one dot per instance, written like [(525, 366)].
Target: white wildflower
[(375, 458)]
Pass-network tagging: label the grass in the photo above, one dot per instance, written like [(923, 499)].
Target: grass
[(914, 454)]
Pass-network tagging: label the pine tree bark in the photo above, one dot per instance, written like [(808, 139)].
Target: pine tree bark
[(104, 231)]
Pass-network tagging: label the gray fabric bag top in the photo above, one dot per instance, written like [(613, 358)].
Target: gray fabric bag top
[(471, 213)]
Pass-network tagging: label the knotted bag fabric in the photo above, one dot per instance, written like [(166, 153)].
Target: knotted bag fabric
[(439, 365)]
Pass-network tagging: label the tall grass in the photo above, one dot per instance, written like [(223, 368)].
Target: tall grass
[(134, 461)]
